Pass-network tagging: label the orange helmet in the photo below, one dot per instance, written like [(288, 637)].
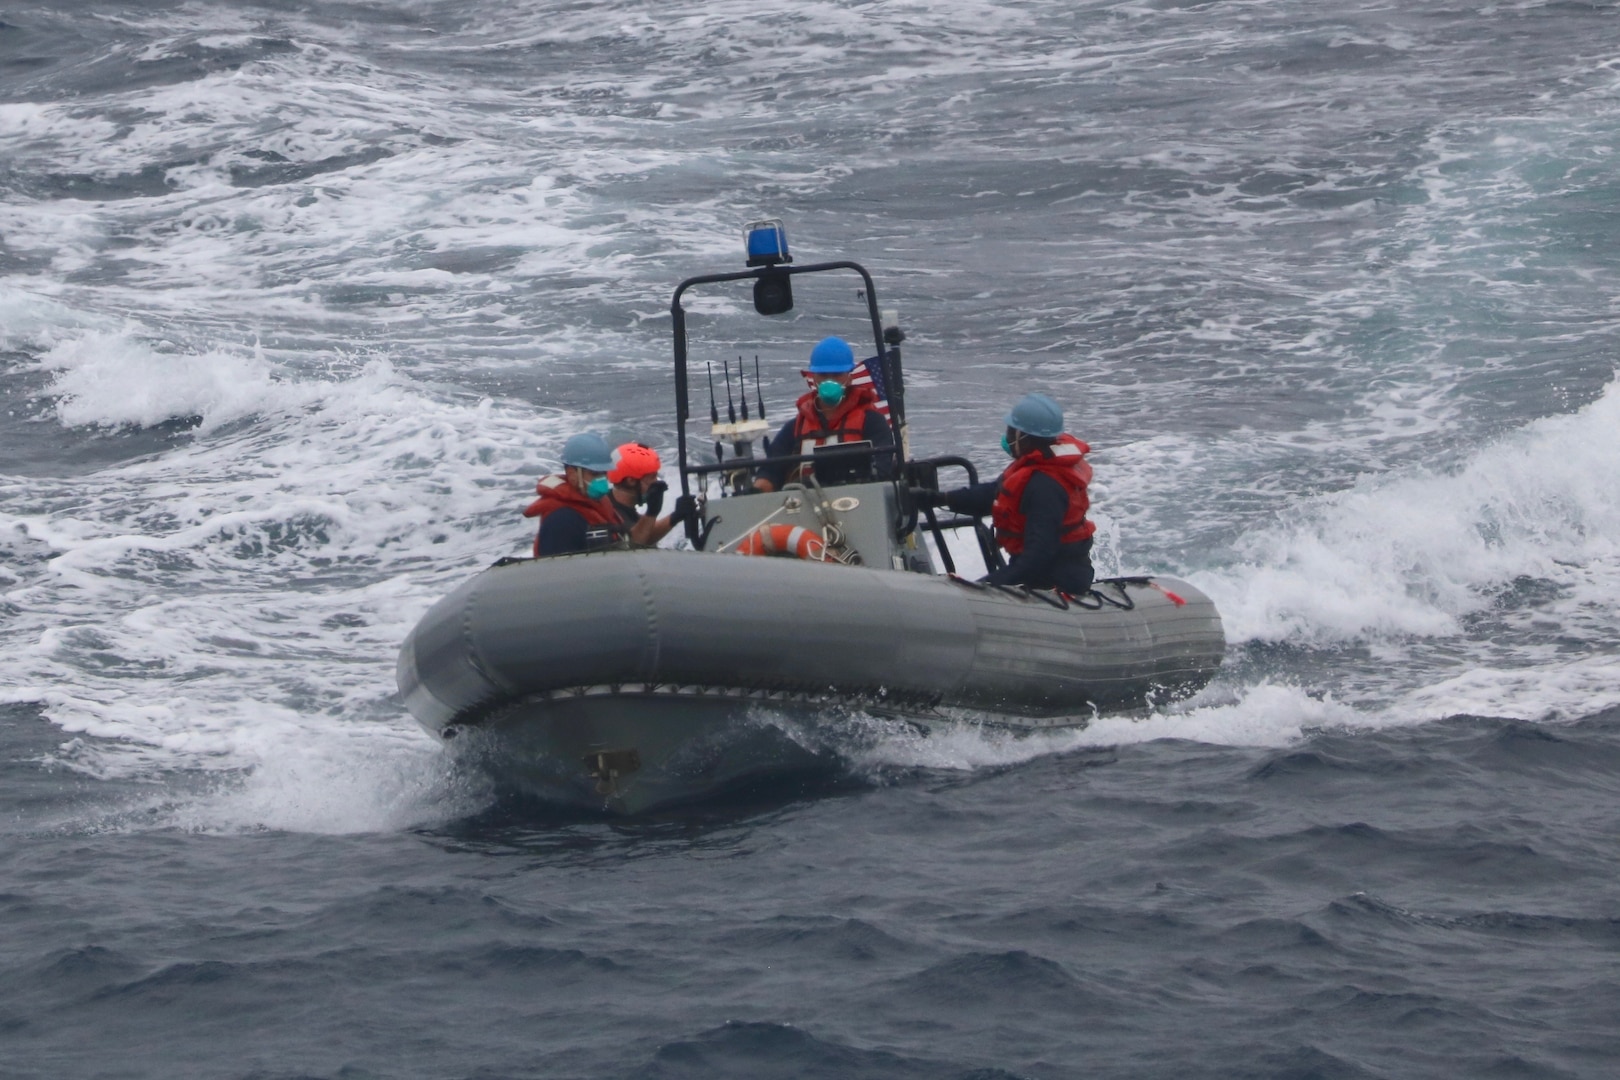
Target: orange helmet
[(632, 461)]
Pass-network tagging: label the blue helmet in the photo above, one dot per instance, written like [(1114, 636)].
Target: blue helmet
[(588, 450), (1037, 415), (832, 356)]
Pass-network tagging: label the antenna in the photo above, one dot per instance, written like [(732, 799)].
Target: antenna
[(742, 387), (731, 410), (759, 393), (714, 413)]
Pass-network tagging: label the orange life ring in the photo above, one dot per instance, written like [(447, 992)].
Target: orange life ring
[(793, 541)]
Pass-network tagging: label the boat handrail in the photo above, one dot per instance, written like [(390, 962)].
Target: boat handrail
[(924, 473)]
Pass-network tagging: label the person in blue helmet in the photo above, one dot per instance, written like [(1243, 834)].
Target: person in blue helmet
[(1038, 505), (574, 509), (838, 410)]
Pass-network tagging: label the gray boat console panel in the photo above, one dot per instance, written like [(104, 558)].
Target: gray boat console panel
[(860, 520)]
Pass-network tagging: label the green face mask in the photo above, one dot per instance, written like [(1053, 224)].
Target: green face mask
[(1007, 446), (598, 487), (830, 392)]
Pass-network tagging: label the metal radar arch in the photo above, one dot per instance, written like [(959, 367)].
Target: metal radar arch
[(771, 269)]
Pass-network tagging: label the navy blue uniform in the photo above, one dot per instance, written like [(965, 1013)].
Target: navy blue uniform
[(562, 532)]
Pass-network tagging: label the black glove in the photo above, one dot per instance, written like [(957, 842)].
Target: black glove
[(654, 498), (927, 497), (686, 509)]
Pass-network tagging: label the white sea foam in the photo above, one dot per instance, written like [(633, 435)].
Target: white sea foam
[(333, 781), (235, 604), (111, 380), (34, 320), (1263, 715), (1558, 689), (1409, 553)]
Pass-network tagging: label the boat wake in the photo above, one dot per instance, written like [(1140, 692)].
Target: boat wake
[(1433, 592)]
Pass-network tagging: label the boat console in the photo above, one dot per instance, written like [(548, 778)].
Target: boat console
[(861, 524)]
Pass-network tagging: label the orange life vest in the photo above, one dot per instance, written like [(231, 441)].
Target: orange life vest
[(846, 424), (603, 525), (1065, 461)]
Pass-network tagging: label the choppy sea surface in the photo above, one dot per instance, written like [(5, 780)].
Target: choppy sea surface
[(297, 300)]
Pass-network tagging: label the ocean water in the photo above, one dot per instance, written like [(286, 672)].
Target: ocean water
[(296, 301)]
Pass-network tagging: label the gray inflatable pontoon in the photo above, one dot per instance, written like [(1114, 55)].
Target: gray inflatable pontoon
[(628, 680)]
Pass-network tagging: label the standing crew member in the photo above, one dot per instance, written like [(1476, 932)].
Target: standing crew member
[(1039, 504), (834, 412), (634, 476), (573, 507)]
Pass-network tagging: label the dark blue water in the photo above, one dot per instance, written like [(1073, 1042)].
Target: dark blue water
[(295, 304), (1430, 902)]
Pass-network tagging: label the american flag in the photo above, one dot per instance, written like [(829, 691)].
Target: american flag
[(869, 373)]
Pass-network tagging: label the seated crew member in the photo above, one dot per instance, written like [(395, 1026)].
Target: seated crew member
[(1038, 505), (834, 412), (635, 481), (573, 507)]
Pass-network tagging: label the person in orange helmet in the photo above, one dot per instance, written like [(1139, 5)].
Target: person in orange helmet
[(635, 480)]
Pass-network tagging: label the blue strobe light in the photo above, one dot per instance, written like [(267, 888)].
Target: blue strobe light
[(766, 243)]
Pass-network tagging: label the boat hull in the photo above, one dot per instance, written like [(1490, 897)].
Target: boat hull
[(628, 754), (668, 658)]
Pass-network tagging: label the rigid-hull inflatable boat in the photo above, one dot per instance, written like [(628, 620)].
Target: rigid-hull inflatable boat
[(626, 680)]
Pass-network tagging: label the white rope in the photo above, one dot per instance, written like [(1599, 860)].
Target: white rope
[(746, 533)]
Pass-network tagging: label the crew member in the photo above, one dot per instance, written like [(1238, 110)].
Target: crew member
[(573, 507), (634, 476), (834, 412), (1038, 505)]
